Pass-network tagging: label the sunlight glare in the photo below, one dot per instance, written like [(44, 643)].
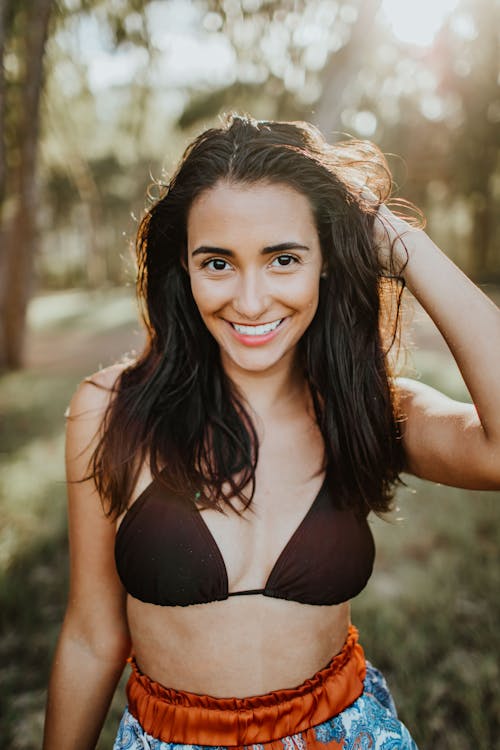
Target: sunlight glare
[(417, 23)]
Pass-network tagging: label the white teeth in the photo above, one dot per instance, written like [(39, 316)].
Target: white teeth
[(257, 330)]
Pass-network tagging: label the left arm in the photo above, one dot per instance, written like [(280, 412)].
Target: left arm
[(448, 441)]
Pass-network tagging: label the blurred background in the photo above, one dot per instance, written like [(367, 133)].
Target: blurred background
[(97, 101)]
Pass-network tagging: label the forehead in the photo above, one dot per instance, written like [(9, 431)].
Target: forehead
[(261, 209)]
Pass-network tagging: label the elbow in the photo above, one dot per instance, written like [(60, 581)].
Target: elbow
[(112, 649), (106, 643)]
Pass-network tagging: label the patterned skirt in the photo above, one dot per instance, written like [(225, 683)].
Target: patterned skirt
[(345, 706)]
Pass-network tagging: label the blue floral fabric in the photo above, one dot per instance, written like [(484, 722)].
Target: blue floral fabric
[(370, 723)]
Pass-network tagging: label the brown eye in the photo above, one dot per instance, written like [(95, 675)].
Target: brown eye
[(286, 260), (218, 264)]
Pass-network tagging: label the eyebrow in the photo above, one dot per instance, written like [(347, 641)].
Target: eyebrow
[(208, 250)]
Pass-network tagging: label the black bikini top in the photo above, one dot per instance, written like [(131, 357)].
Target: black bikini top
[(165, 554)]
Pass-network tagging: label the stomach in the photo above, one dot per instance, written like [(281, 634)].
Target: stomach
[(239, 647)]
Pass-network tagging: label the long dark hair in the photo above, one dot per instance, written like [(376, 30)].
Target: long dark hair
[(176, 407)]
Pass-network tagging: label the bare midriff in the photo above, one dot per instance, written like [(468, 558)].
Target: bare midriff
[(242, 646)]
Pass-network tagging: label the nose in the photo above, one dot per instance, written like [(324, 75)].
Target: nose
[(252, 297)]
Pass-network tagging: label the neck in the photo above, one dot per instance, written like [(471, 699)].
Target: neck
[(275, 392)]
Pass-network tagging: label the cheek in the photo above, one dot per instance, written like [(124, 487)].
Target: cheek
[(207, 295), (310, 301), (304, 295)]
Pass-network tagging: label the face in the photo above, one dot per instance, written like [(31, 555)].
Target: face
[(254, 262)]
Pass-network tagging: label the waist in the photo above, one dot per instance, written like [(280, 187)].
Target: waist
[(238, 647), (173, 715)]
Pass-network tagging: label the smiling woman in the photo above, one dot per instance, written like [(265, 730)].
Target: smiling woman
[(248, 290), (220, 485)]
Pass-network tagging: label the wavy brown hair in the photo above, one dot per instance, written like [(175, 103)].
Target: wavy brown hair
[(175, 406)]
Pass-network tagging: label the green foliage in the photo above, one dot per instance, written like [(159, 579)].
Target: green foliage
[(429, 617)]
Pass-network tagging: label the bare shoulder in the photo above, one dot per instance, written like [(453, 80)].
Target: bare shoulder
[(95, 391), (85, 415)]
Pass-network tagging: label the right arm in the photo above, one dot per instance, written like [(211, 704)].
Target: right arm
[(94, 641)]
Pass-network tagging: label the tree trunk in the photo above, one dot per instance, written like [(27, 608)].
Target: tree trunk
[(342, 68), (3, 166), (19, 226), (3, 162)]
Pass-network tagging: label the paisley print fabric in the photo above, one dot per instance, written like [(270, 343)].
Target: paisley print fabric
[(369, 723)]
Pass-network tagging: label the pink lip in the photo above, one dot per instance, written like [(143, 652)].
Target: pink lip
[(256, 340)]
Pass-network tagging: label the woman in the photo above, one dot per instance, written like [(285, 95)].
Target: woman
[(265, 271)]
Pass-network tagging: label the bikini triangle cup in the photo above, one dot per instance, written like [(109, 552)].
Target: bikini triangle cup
[(166, 554)]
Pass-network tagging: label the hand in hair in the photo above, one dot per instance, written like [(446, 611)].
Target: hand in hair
[(389, 231)]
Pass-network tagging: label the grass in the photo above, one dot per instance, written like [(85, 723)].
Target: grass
[(436, 634), (428, 619)]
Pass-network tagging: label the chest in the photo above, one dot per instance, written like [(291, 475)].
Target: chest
[(293, 543), (288, 478)]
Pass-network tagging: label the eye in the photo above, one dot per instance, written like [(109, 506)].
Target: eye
[(286, 260), (219, 264)]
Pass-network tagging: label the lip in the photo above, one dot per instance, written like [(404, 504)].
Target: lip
[(249, 325), (250, 340)]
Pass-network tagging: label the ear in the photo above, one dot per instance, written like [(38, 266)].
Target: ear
[(184, 262)]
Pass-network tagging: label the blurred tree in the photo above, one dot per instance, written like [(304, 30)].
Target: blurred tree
[(447, 127), (344, 66), (286, 50), (23, 34), (469, 71)]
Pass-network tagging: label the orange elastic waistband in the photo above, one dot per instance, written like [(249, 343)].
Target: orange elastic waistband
[(178, 716)]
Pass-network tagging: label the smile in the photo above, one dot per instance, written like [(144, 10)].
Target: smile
[(259, 330)]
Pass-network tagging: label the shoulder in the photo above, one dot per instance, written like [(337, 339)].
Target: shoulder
[(95, 392), (86, 413)]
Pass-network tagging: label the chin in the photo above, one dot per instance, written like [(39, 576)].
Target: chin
[(254, 366), (254, 361)]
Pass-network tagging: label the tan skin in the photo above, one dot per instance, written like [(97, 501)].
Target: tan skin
[(243, 646)]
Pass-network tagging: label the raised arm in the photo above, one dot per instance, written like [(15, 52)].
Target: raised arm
[(445, 440), (94, 642)]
